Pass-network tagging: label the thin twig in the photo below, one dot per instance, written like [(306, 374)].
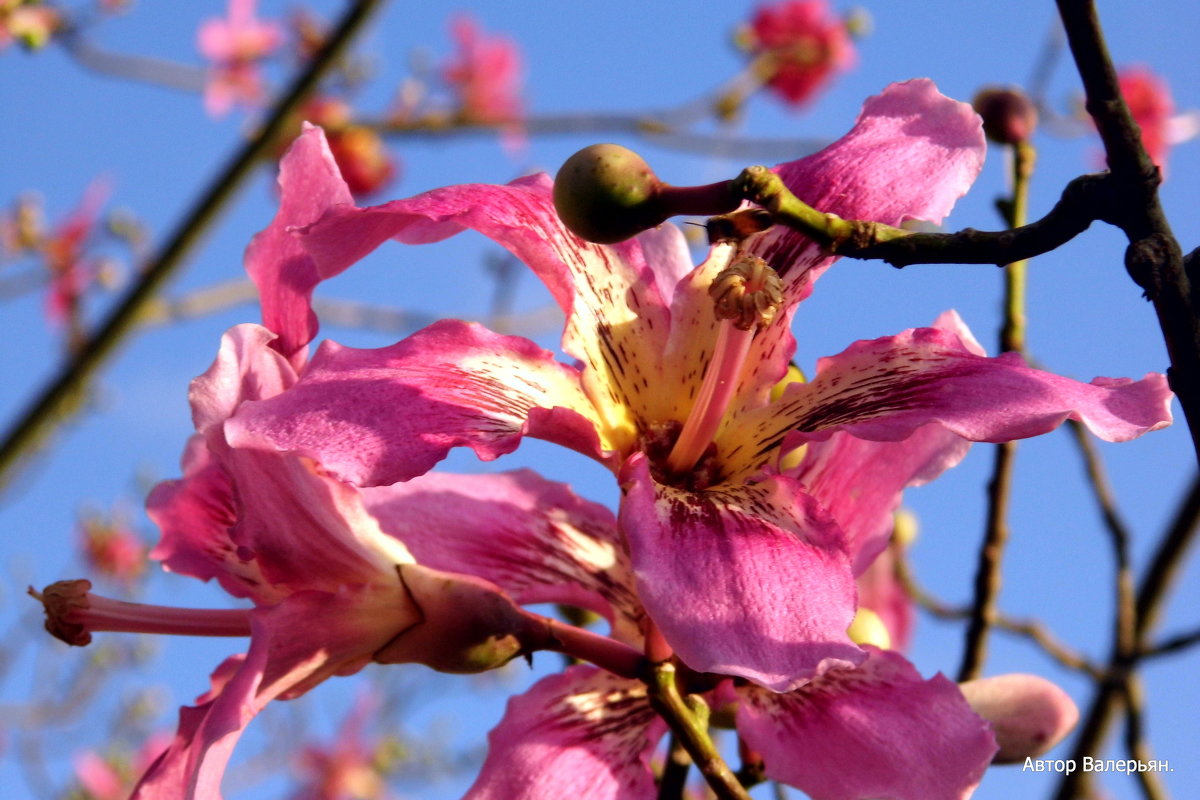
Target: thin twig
[(1152, 590), (692, 733), (1035, 631), (1012, 338), (1136, 745), (1172, 645), (54, 400)]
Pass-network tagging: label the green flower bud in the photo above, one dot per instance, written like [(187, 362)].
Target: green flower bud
[(607, 193)]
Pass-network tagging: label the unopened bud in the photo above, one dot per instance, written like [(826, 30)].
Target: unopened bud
[(607, 193), (1009, 116), (1028, 714)]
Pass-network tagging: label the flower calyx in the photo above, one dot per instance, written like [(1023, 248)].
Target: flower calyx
[(467, 624)]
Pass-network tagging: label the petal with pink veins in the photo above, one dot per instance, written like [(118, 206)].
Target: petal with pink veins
[(616, 317), (750, 580), (581, 734), (887, 388), (535, 539), (381, 416), (879, 730)]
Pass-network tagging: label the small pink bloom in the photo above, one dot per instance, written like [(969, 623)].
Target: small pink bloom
[(112, 548), (27, 23), (345, 768), (64, 253), (1150, 102), (235, 46), (802, 45), (485, 74)]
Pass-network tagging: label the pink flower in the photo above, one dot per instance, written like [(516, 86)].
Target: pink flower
[(235, 45), (344, 769), (27, 23), (333, 586), (676, 401), (1150, 103), (485, 74), (878, 729), (801, 44), (112, 778), (113, 548), (64, 252)]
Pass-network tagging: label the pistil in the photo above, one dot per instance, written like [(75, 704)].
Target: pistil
[(73, 614), (746, 296)]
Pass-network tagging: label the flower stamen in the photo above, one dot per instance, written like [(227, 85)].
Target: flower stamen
[(747, 294), (73, 613)]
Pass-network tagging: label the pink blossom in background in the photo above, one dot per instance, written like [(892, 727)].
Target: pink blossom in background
[(345, 768), (113, 778), (484, 73), (1150, 102), (362, 157), (235, 45), (112, 548), (65, 255), (778, 592), (803, 44), (27, 23)]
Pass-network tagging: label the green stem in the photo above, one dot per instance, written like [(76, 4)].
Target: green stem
[(984, 608), (58, 398), (691, 730)]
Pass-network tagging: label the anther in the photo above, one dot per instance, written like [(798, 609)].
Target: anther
[(748, 292)]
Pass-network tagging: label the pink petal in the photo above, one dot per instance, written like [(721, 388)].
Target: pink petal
[(381, 416), (309, 185), (911, 154), (1028, 714), (582, 734), (196, 515), (888, 388), (617, 321), (749, 580), (246, 368), (341, 632), (535, 539), (860, 482), (875, 731)]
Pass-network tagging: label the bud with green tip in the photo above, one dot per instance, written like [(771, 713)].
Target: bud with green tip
[(607, 193)]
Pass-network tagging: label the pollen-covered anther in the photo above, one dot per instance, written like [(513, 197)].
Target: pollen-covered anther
[(748, 291), (63, 601)]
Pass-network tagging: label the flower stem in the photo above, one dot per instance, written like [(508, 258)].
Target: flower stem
[(692, 733), (984, 611), (606, 653)]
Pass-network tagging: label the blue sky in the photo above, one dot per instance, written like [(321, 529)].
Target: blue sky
[(64, 126)]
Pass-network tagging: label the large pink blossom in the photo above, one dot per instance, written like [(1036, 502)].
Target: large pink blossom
[(742, 567)]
